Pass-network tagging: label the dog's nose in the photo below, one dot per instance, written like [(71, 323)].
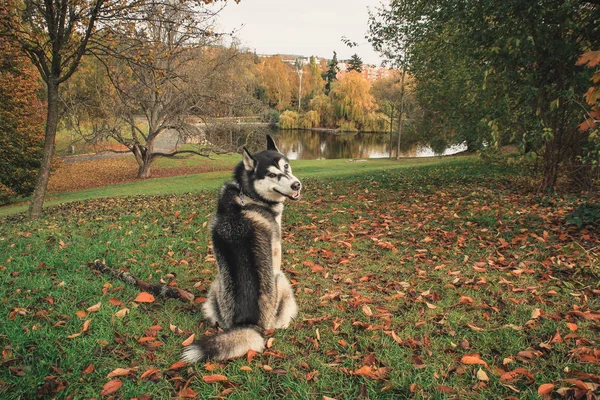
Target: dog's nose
[(296, 186)]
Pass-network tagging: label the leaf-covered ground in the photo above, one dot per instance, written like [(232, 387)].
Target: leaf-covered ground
[(433, 282), (98, 172)]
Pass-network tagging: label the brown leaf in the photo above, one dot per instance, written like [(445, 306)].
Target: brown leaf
[(545, 389), (187, 393), (472, 359), (144, 297), (251, 354), (177, 365), (122, 312), (270, 342), (115, 302), (189, 340), (515, 374), (81, 314), (90, 368), (110, 387), (214, 378), (119, 372), (367, 310), (94, 308), (148, 373)]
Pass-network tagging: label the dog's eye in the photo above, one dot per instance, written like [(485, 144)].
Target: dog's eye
[(271, 175), (286, 166)]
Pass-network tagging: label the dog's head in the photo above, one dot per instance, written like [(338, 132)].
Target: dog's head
[(269, 174)]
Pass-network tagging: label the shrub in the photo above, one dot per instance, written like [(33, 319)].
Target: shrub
[(585, 214), (271, 116)]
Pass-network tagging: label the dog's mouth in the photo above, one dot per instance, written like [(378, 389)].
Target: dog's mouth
[(294, 196)]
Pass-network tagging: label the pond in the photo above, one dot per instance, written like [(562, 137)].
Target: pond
[(311, 145)]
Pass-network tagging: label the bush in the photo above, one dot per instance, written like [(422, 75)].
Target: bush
[(376, 122), (271, 116), (289, 120), (585, 214)]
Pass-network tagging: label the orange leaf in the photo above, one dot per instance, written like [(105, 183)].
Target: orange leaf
[(187, 393), (214, 378), (512, 375), (81, 314), (115, 302), (472, 359), (94, 308), (119, 372), (177, 365), (149, 372), (545, 389), (88, 370), (144, 297), (251, 355), (188, 341), (572, 327), (110, 387)]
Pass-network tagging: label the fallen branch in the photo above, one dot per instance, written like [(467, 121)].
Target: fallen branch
[(159, 290)]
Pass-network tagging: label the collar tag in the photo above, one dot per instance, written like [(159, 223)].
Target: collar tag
[(242, 197)]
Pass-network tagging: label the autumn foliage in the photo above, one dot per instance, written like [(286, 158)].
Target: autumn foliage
[(21, 122)]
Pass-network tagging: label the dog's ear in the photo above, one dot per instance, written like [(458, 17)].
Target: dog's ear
[(249, 162), (271, 144)]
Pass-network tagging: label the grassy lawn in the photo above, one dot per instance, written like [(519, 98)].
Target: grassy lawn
[(440, 280), (64, 181)]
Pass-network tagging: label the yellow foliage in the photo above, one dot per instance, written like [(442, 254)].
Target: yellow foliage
[(352, 98), (310, 120), (289, 120)]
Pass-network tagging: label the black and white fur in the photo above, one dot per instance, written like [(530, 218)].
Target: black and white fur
[(250, 293)]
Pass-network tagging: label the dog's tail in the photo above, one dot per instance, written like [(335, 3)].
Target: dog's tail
[(230, 344)]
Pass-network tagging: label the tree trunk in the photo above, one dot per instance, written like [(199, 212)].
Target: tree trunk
[(392, 133), (144, 169), (400, 114), (41, 185)]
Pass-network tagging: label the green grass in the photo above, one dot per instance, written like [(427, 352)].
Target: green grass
[(408, 242), (213, 180)]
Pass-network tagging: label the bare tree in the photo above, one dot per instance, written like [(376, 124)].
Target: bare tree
[(154, 68)]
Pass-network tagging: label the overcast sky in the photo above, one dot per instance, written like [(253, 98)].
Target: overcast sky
[(302, 27)]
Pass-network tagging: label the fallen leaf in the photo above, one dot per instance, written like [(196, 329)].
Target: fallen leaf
[(367, 310), (177, 365), (545, 389), (122, 312), (144, 297), (482, 376), (90, 368), (214, 378), (119, 372), (189, 340), (148, 373), (110, 387), (94, 308), (472, 359)]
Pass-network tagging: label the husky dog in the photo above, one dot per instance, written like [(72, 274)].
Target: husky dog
[(250, 293)]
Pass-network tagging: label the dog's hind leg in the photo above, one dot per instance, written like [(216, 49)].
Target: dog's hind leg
[(210, 308), (286, 309)]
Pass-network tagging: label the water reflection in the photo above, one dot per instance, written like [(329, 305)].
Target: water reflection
[(309, 145)]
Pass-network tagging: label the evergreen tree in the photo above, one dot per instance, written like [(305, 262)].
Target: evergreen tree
[(331, 74), (355, 63)]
